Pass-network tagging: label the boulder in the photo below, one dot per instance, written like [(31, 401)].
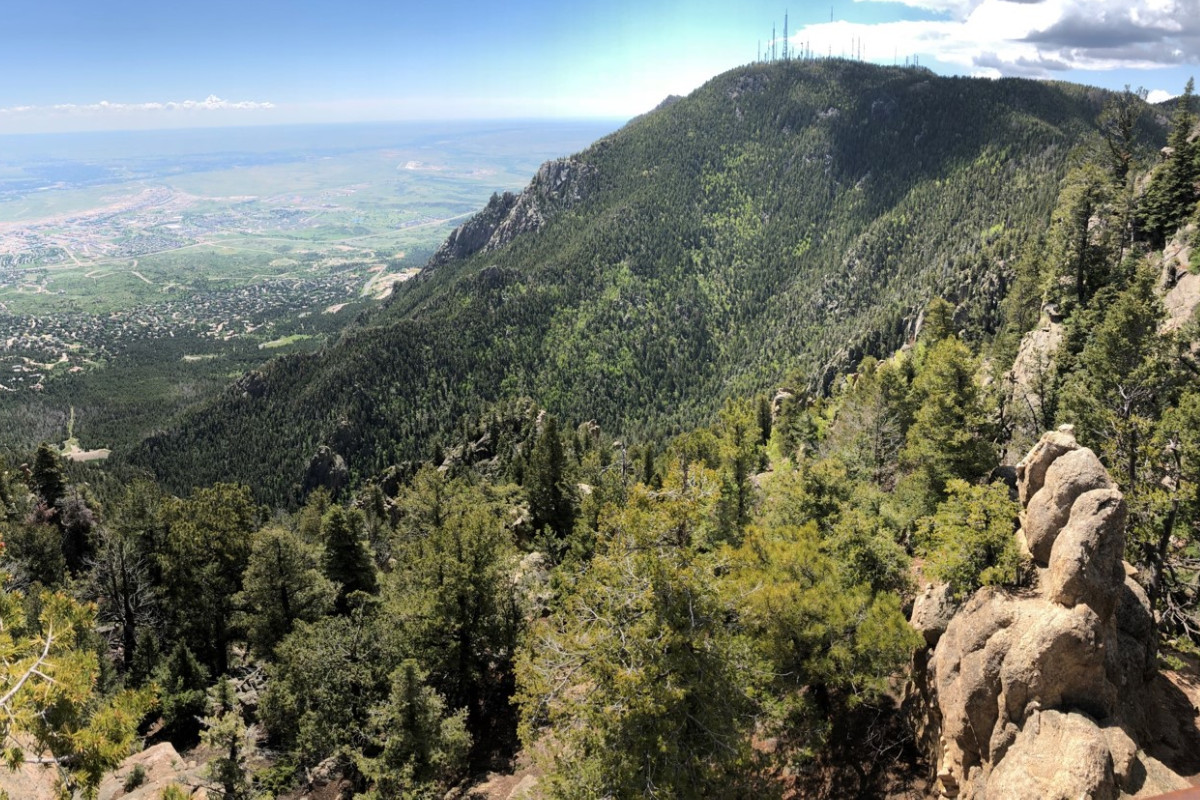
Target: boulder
[(932, 611), (30, 782), (326, 469), (966, 669), (1056, 756), (1049, 508), (1043, 691), (161, 766), (1132, 661), (525, 789), (1056, 661), (1031, 471), (1085, 560)]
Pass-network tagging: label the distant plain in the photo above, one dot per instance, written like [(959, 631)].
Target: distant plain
[(140, 272)]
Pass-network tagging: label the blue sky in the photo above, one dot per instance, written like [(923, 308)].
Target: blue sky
[(119, 64)]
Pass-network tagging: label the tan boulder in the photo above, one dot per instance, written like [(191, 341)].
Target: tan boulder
[(1085, 561), (1132, 657), (932, 611), (30, 782), (1056, 756), (1056, 660), (1031, 471), (525, 789), (966, 678), (1068, 477), (1042, 691)]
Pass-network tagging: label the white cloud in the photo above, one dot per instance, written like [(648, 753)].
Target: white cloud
[(1035, 38), (1158, 96), (958, 9), (210, 103)]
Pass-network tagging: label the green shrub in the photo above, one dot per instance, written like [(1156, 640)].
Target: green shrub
[(968, 542), (135, 778)]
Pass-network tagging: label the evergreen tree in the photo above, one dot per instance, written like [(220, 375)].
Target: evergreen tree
[(326, 677), (949, 437), (1082, 251), (346, 560), (667, 702), (423, 747), (120, 580), (1171, 197), (204, 555), (233, 743), (1118, 124), (453, 595), (740, 454), (969, 542), (1123, 380), (938, 321), (183, 680), (46, 476), (50, 709), (1126, 378), (283, 584), (76, 520), (550, 494)]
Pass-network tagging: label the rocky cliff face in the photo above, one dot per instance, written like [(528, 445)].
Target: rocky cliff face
[(1047, 691), (557, 186), (1179, 285)]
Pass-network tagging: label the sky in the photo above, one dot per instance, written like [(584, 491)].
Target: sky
[(71, 65)]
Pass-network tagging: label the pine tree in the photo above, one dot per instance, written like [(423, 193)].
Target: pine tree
[(1171, 196), (232, 741), (346, 561), (50, 711), (47, 477), (283, 584), (422, 746), (204, 555), (1082, 251), (550, 496), (969, 542), (183, 680), (635, 676), (740, 450), (949, 437)]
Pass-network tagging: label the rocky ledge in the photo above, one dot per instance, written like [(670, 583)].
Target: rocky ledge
[(1050, 690)]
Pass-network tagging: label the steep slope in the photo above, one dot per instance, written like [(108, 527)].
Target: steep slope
[(776, 224)]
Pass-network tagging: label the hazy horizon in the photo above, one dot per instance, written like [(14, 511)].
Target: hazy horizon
[(135, 64)]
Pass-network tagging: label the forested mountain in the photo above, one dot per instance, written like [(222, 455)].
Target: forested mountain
[(970, 565), (774, 226)]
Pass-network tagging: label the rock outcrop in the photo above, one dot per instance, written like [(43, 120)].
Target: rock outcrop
[(557, 186), (156, 768), (1042, 692), (1180, 286), (1033, 373), (326, 469)]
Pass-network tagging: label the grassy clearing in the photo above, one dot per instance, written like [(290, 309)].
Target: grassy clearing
[(284, 341)]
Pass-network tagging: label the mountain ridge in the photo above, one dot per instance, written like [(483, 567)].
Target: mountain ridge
[(775, 226)]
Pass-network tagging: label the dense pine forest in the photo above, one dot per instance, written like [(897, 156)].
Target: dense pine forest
[(634, 486)]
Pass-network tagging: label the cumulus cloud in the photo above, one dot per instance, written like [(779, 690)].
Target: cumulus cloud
[(210, 103), (1033, 38), (956, 9)]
